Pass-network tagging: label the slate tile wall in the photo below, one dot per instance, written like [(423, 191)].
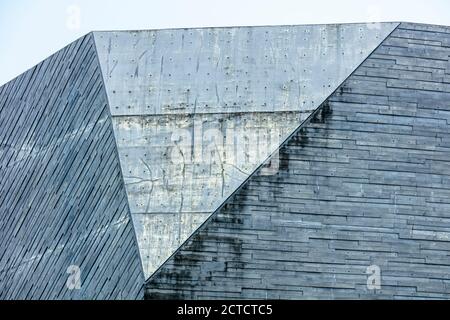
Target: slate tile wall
[(62, 196)]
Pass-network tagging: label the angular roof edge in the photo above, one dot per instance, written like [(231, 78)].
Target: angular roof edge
[(254, 26)]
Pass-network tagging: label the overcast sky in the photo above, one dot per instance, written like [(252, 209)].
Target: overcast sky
[(31, 30)]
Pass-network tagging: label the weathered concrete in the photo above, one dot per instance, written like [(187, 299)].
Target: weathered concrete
[(366, 182), (195, 111)]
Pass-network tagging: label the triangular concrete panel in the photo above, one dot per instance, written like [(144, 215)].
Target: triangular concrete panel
[(196, 111)]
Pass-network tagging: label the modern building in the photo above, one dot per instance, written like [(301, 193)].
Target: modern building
[(292, 162)]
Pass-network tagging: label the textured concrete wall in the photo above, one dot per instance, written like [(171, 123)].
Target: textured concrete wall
[(366, 182), (62, 196), (193, 110)]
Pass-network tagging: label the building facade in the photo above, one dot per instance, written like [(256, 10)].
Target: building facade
[(292, 162)]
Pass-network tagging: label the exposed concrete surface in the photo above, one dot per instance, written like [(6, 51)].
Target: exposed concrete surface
[(195, 111)]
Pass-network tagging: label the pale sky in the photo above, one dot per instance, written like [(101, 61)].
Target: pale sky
[(31, 30)]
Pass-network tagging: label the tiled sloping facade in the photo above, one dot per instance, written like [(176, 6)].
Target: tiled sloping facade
[(63, 206)]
